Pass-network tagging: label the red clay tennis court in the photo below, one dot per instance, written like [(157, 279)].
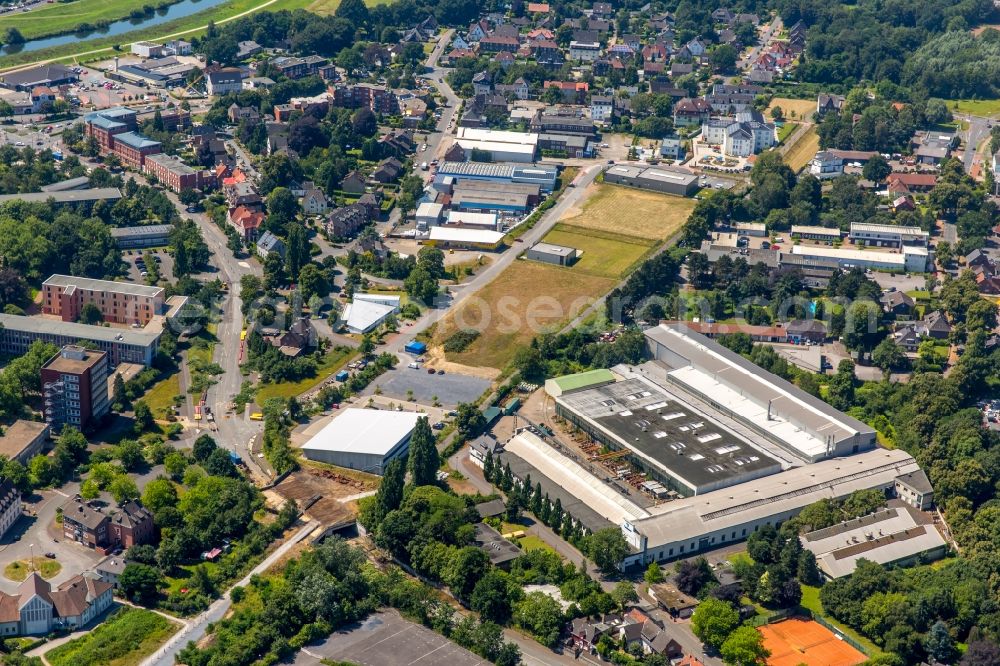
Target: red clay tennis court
[(798, 641)]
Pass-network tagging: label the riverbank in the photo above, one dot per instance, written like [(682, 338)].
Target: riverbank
[(82, 16), (189, 26)]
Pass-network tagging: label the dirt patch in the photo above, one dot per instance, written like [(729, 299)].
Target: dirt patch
[(435, 358)]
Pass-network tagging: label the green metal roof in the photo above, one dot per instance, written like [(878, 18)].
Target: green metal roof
[(582, 380)]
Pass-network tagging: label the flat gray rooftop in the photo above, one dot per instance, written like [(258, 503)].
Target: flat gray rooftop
[(44, 325), (57, 280), (67, 196), (670, 434)]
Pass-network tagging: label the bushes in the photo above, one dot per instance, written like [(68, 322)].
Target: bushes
[(460, 340)]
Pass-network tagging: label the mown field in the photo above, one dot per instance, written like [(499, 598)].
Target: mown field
[(604, 254), (526, 299), (803, 150), (794, 109), (629, 212)]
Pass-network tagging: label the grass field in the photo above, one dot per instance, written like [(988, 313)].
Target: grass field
[(332, 362), (631, 212), (328, 7), (18, 570), (810, 600), (127, 638), (523, 301), (531, 542), (61, 18), (794, 109), (786, 130), (187, 27), (803, 150), (976, 107), (604, 254), (160, 397)]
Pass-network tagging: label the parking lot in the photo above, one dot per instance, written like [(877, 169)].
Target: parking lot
[(450, 388), (387, 639), (165, 265)]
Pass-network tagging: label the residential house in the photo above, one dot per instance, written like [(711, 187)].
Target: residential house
[(731, 99), (246, 221), (897, 303), (602, 108), (584, 51), (37, 609), (573, 92), (656, 52), (372, 202), (482, 83), (346, 221), (494, 43), (826, 103), (269, 243), (224, 81), (688, 112), (671, 147), (478, 31), (314, 202), (678, 69), (518, 90), (388, 170), (104, 529), (299, 337), (696, 47), (10, 505), (353, 183), (505, 59)]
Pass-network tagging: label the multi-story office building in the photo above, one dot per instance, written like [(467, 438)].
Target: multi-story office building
[(119, 302), (75, 388)]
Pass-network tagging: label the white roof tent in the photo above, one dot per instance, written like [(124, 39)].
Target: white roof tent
[(799, 423), (465, 236), (363, 439)]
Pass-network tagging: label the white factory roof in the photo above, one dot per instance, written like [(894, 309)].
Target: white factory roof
[(806, 229), (498, 136), (886, 536), (771, 404), (871, 227), (845, 254), (384, 299), (362, 315), (692, 517), (497, 146), (576, 480), (477, 219), (461, 235), (428, 209), (366, 431)]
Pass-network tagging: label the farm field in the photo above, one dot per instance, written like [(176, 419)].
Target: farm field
[(604, 254), (798, 154), (525, 299), (794, 109), (126, 639), (629, 212)]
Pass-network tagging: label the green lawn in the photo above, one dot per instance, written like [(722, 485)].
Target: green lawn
[(919, 295), (19, 569), (187, 26), (975, 107), (332, 362), (125, 639), (810, 600), (604, 253), (786, 130), (160, 396), (65, 17), (184, 571), (531, 542)]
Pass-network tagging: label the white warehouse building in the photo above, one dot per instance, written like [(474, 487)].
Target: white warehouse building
[(363, 439)]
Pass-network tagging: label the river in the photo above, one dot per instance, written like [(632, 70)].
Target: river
[(121, 27)]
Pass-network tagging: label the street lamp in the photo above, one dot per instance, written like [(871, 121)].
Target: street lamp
[(31, 561)]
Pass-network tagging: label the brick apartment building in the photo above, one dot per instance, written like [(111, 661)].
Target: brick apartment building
[(119, 302), (129, 524), (105, 125), (75, 387), (296, 68), (172, 172), (115, 132), (377, 99)]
